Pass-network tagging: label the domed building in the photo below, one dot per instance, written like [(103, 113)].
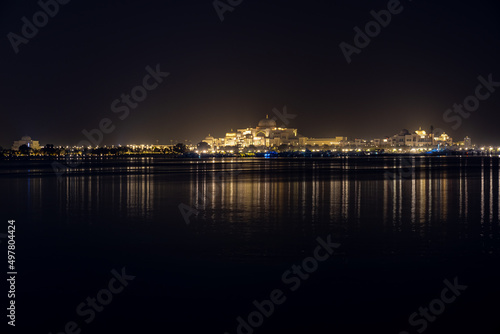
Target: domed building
[(210, 140), (266, 133), (267, 123)]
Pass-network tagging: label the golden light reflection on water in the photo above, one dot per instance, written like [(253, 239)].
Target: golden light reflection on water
[(274, 195), (127, 194), (427, 196)]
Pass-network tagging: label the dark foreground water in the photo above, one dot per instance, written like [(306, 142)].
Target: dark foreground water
[(399, 232)]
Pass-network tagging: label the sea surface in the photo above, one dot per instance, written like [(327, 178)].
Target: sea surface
[(206, 238)]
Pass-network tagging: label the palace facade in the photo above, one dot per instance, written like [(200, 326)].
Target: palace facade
[(268, 134)]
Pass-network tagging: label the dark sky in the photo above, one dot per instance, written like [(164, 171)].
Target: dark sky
[(230, 74)]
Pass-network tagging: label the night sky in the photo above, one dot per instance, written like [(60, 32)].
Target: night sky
[(230, 74)]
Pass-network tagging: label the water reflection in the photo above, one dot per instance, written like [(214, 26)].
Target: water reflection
[(452, 198), (122, 196), (438, 196)]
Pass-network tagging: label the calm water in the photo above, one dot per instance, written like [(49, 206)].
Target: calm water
[(404, 225)]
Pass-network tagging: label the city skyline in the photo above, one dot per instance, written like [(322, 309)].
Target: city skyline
[(268, 134), (103, 138)]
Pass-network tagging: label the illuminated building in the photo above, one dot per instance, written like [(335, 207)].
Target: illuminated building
[(268, 134), (420, 138), (26, 140), (443, 139), (467, 142), (334, 141), (399, 139)]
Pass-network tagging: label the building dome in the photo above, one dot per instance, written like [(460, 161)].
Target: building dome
[(267, 123)]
